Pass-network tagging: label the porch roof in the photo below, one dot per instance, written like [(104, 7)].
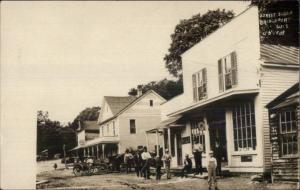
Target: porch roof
[(170, 122), (223, 97)]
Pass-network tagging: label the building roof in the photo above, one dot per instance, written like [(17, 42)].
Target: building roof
[(279, 54), (120, 104), (117, 103), (287, 98)]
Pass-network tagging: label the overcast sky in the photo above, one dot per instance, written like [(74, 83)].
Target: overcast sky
[(67, 55)]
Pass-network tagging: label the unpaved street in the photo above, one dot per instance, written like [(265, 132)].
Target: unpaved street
[(63, 178)]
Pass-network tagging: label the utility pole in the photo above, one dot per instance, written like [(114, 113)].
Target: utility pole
[(64, 148)]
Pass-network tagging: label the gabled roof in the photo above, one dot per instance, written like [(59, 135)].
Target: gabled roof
[(117, 103), (288, 97), (279, 54)]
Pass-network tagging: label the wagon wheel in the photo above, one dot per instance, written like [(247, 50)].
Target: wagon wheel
[(77, 171), (90, 171)]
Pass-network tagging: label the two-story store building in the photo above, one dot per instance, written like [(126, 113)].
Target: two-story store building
[(122, 124), (228, 79)]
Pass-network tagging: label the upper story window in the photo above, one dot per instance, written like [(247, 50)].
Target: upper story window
[(151, 103), (227, 72), (199, 85), (114, 129), (102, 130), (107, 127), (132, 126), (288, 132)]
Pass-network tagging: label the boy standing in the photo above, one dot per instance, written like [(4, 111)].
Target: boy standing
[(211, 169)]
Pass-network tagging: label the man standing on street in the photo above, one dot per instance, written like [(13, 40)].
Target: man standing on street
[(167, 159), (198, 160), (146, 167), (211, 169)]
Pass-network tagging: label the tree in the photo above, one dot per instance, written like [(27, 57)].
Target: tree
[(191, 31), (52, 135), (88, 114), (166, 88)]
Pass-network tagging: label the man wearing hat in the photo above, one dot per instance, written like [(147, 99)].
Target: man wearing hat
[(211, 169), (197, 152), (187, 166), (167, 159)]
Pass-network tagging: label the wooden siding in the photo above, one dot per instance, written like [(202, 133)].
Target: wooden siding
[(274, 81), (283, 169)]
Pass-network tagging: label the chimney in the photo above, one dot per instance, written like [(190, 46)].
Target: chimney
[(139, 92)]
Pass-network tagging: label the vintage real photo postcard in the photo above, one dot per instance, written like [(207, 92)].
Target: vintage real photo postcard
[(122, 95)]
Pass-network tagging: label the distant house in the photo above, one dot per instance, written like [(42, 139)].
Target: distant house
[(122, 124), (228, 79), (283, 113)]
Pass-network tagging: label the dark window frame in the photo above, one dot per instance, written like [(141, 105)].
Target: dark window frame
[(287, 129), (228, 72), (199, 82), (132, 126), (244, 126)]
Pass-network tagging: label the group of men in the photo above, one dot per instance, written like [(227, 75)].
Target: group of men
[(142, 161)]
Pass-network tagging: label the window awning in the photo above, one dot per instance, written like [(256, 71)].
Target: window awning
[(170, 122), (228, 95)]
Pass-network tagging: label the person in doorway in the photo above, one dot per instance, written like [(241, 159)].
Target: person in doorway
[(127, 160), (167, 160), (146, 165), (138, 162), (211, 169), (198, 160), (187, 166), (158, 165)]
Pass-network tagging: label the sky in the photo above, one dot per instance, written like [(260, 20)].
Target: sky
[(62, 57)]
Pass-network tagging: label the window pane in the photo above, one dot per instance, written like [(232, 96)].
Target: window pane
[(235, 134), (283, 128), (240, 143), (254, 143), (235, 146), (288, 116), (249, 132), (253, 131), (248, 120), (249, 143), (244, 133)]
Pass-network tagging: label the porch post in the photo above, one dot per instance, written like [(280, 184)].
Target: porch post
[(88, 149), (97, 148), (84, 154), (103, 146), (157, 143), (207, 137), (175, 148), (163, 134), (169, 139), (93, 154)]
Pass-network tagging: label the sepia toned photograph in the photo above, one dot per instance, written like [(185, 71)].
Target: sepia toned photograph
[(129, 95)]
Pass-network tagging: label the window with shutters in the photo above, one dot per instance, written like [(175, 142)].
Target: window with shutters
[(288, 133), (199, 81), (227, 72)]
